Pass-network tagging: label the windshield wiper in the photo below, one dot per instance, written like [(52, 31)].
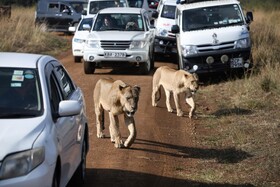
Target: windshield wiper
[(17, 115)]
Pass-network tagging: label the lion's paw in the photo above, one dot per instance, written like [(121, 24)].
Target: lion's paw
[(100, 135), (119, 144), (170, 110), (180, 113)]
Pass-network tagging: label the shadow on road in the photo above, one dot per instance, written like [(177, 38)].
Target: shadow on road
[(120, 178), (224, 156)]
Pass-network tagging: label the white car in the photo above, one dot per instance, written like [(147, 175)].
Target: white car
[(44, 132), (128, 41), (80, 36), (165, 41)]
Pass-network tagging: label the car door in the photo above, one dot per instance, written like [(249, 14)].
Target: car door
[(67, 128), (59, 15)]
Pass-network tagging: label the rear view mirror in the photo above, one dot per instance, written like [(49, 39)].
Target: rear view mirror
[(249, 17), (72, 29), (175, 29)]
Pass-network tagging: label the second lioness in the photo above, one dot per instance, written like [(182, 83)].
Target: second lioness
[(176, 82), (116, 97)]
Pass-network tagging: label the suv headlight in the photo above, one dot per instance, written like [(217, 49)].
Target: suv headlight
[(22, 163), (137, 44), (243, 43), (189, 50), (93, 43), (162, 32)]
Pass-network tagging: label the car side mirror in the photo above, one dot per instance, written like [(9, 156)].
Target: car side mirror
[(155, 14), (72, 29), (249, 17), (84, 12), (86, 27), (175, 29)]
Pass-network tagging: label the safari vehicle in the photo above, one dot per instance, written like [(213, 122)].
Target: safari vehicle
[(58, 15), (212, 36), (165, 41), (120, 37), (149, 5)]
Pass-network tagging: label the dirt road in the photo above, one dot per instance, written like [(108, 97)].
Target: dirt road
[(165, 145)]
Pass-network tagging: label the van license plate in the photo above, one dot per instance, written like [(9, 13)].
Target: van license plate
[(114, 55), (236, 62)]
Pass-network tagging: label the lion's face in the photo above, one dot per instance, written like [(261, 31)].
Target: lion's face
[(129, 99), (192, 82)]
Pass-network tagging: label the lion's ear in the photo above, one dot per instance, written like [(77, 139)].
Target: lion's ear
[(137, 88), (122, 86), (195, 76)]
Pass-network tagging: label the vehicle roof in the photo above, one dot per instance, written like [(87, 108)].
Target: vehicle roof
[(23, 60), (68, 1), (130, 10), (206, 4), (170, 2)]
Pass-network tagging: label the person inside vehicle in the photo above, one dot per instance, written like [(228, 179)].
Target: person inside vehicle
[(107, 24), (131, 26)]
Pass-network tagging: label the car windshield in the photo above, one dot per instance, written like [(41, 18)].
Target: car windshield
[(79, 6), (123, 22), (20, 96), (95, 6), (168, 11), (212, 17)]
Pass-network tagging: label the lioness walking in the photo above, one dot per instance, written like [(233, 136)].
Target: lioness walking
[(177, 82), (116, 97)]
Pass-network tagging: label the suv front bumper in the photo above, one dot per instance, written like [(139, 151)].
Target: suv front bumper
[(165, 45), (131, 56), (218, 61)]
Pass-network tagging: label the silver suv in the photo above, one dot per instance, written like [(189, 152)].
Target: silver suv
[(120, 37)]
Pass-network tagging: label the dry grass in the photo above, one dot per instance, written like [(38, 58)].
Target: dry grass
[(19, 34), (244, 114)]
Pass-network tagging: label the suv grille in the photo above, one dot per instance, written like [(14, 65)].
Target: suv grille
[(115, 45), (221, 46)]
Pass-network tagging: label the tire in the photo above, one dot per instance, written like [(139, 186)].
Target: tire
[(80, 174), (77, 59), (145, 67), (56, 177), (89, 67), (152, 61)]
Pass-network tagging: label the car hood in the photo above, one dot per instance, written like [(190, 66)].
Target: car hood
[(224, 34), (118, 35), (81, 34), (18, 134), (164, 23)]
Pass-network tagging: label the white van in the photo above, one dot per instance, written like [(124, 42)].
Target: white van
[(165, 41), (213, 36)]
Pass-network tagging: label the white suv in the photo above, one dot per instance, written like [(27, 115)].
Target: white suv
[(213, 36), (127, 41), (165, 41)]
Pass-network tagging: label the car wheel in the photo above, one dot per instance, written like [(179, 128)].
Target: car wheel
[(152, 56), (89, 67), (145, 67), (56, 178), (77, 59), (80, 174)]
